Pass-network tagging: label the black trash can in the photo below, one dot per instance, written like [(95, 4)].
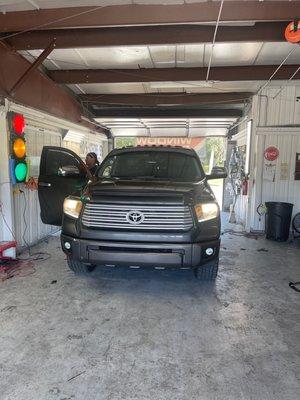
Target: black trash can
[(278, 220)]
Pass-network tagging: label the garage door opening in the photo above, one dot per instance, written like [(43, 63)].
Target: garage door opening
[(207, 136)]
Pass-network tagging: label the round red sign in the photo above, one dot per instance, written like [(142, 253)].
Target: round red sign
[(271, 153)]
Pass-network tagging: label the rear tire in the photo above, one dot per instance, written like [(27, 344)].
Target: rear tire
[(208, 272), (79, 267)]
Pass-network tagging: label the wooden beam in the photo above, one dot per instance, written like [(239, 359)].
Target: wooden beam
[(140, 14), (157, 99), (233, 73), (159, 112), (148, 35)]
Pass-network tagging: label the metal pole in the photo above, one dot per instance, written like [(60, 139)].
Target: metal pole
[(214, 40)]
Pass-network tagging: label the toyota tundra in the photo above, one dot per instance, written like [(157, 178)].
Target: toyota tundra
[(145, 207)]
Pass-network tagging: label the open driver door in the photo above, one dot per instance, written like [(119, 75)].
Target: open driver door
[(62, 173)]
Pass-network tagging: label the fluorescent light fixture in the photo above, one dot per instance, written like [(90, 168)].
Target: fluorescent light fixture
[(74, 136)]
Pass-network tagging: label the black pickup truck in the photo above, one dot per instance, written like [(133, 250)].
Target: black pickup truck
[(146, 206)]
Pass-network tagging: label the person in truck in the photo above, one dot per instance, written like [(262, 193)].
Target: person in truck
[(92, 162)]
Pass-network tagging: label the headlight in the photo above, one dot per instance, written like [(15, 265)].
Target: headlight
[(72, 207), (206, 211)]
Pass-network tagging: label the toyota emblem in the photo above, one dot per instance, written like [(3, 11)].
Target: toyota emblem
[(135, 217)]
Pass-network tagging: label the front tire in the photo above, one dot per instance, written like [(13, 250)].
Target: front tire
[(78, 267), (207, 272)]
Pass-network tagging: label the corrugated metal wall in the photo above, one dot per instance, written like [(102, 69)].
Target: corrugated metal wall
[(284, 189), (273, 112), (279, 106), (28, 225)]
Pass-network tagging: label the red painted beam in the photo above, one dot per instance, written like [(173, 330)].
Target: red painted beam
[(41, 58), (233, 73), (37, 91), (148, 35), (138, 14), (159, 99)]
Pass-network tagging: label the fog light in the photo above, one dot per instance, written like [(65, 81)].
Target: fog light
[(209, 251), (67, 245)]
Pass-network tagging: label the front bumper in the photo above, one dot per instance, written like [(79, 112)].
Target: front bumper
[(185, 255)]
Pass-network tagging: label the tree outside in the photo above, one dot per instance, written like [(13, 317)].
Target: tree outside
[(215, 145)]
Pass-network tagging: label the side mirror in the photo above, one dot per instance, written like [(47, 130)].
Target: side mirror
[(68, 171), (217, 173)]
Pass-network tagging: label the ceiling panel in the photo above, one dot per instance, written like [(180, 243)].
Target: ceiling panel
[(128, 132), (22, 5), (102, 57), (109, 88), (232, 53), (174, 87), (191, 55), (121, 57), (274, 53), (194, 132), (163, 56)]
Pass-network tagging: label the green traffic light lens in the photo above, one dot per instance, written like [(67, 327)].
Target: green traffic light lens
[(21, 172)]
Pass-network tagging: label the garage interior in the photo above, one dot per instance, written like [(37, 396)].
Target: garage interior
[(219, 77)]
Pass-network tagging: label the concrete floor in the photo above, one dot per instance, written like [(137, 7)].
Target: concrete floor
[(160, 335)]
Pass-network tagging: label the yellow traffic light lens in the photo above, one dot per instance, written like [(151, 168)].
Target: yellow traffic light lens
[(19, 148)]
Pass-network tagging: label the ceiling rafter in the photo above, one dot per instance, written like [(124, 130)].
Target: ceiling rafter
[(144, 14), (154, 99), (146, 35), (229, 73)]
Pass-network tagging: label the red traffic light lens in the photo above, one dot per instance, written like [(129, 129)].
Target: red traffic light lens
[(18, 123)]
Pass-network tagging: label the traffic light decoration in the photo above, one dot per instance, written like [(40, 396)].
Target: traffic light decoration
[(18, 164)]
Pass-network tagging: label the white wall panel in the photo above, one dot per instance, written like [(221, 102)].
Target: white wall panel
[(279, 106), (279, 190), (28, 225), (276, 114), (241, 209)]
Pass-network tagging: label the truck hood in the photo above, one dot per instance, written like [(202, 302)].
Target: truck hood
[(169, 190)]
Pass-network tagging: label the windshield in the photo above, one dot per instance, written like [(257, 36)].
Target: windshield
[(152, 165)]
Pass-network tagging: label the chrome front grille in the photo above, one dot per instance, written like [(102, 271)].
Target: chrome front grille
[(137, 217)]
